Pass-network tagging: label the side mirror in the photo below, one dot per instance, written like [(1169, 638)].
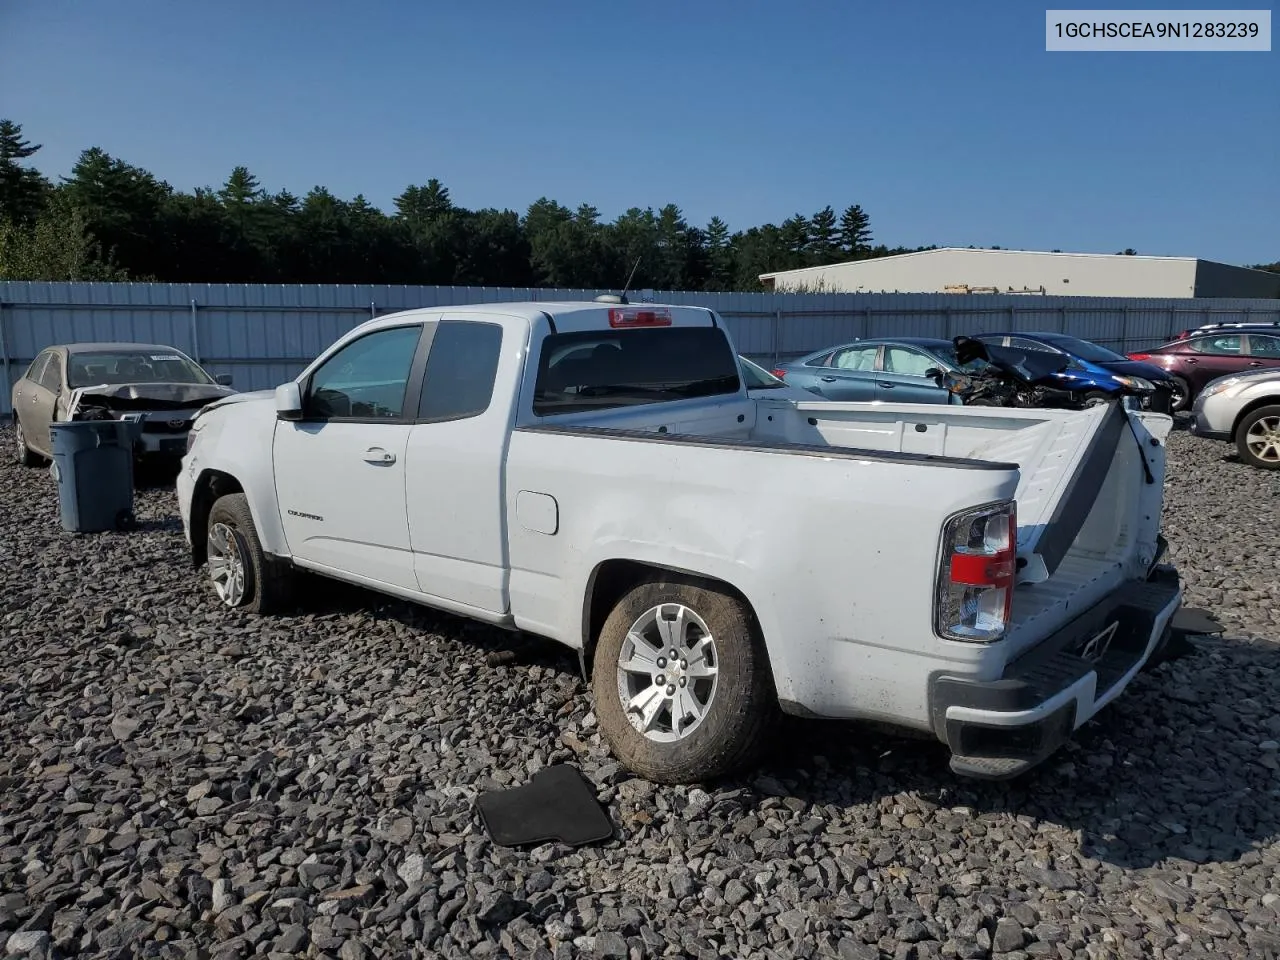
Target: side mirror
[(289, 401), (933, 373), (223, 379)]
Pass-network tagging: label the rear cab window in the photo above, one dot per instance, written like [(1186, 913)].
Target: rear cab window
[(602, 369)]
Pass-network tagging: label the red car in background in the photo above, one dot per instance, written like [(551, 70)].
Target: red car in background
[(1213, 351)]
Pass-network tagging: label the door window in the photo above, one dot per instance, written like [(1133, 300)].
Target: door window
[(51, 375), (856, 358), (906, 362), (1221, 346), (1262, 345), (366, 379), (461, 370), (36, 370)]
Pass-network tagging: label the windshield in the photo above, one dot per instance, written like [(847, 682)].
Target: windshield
[(595, 370), (132, 366), (1085, 350), (758, 378)]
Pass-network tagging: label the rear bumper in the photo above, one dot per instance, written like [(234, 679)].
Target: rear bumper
[(1002, 728)]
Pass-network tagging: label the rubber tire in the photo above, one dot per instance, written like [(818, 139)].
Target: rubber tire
[(1094, 395), (1187, 399), (26, 456), (1242, 431), (745, 710), (267, 581)]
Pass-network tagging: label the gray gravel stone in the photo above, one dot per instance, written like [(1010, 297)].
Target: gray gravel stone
[(179, 780)]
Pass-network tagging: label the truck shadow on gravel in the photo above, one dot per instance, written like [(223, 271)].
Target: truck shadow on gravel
[(1180, 770)]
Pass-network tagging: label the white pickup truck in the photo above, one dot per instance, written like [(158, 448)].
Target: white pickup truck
[(598, 474)]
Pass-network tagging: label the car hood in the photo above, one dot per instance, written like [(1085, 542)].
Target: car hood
[(1250, 378), (139, 396), (1134, 368), (254, 396)]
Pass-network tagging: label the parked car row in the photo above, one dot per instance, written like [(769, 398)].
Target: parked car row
[(907, 370), (1196, 357)]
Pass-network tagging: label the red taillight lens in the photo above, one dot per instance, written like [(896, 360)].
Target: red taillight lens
[(779, 373), (977, 573), (647, 317), (1139, 356)]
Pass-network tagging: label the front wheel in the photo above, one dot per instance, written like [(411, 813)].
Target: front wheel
[(241, 572), (1258, 438), (25, 455), (1180, 398), (681, 680)]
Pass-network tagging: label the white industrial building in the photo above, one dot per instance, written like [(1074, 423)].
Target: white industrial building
[(962, 270)]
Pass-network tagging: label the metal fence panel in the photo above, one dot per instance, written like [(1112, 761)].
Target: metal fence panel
[(265, 334)]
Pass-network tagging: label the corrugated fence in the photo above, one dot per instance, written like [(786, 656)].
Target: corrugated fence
[(265, 334)]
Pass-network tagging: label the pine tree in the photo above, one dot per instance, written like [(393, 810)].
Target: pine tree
[(855, 231), (23, 191), (719, 255), (822, 237)]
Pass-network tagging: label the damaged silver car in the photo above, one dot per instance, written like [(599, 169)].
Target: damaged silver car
[(157, 385)]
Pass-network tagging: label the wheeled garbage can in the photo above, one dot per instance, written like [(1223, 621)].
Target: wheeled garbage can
[(93, 467)]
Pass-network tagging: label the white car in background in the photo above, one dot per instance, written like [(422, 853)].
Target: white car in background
[(1243, 409)]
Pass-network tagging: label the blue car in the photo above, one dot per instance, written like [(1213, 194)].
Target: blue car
[(1093, 372), (889, 369)]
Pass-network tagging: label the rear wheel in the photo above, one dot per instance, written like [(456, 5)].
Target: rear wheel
[(1258, 438), (241, 572), (1181, 398), (681, 680), (25, 455)]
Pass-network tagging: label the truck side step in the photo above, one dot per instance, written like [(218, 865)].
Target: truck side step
[(990, 768)]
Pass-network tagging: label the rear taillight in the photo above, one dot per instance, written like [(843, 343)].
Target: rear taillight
[(977, 572), (779, 373), (1139, 356)]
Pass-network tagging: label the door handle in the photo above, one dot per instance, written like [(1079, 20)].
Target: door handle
[(1190, 360), (1255, 363), (887, 386), (828, 379), (378, 455)]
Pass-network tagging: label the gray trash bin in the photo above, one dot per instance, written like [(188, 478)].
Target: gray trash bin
[(93, 466)]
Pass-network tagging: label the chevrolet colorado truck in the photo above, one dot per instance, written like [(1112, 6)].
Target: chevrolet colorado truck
[(598, 474)]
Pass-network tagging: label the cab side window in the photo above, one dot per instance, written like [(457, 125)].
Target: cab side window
[(462, 368)]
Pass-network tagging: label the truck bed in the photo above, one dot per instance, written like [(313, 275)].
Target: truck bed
[(1079, 474)]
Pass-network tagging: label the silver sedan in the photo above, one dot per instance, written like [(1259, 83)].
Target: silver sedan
[(1243, 409)]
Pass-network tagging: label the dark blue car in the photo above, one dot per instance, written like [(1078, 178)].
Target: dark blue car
[(890, 369), (1093, 371)]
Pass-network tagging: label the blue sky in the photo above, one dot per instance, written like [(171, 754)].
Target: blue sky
[(947, 121)]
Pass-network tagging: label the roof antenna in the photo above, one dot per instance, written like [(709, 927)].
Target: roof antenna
[(621, 297)]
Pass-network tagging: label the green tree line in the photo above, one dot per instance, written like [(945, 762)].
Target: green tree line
[(111, 220)]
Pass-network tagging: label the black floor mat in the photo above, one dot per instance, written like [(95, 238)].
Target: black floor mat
[(558, 803), (1196, 621)]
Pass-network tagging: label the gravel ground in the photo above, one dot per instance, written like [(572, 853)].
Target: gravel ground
[(178, 780)]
